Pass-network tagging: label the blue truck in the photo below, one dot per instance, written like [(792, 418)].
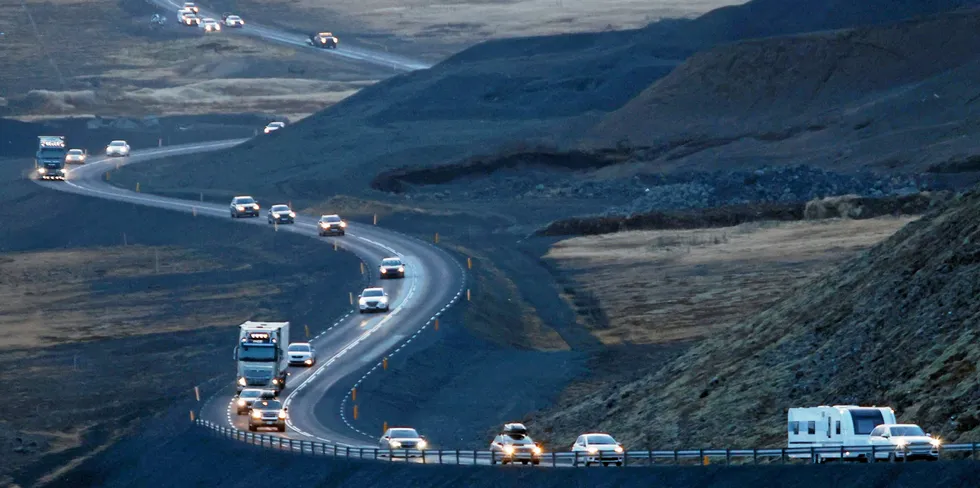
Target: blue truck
[(50, 157)]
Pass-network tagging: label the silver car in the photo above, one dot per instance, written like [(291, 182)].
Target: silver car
[(373, 300), (597, 448), (301, 354), (117, 148), (243, 401), (281, 214), (405, 439)]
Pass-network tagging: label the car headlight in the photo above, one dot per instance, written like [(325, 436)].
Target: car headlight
[(256, 414), (537, 450), (282, 414), (901, 442), (241, 403), (396, 444), (323, 224), (241, 208), (935, 442), (401, 269), (343, 224), (422, 444), (508, 450), (241, 381), (593, 450), (618, 449), (292, 214), (42, 170), (275, 215), (275, 381), (309, 361)]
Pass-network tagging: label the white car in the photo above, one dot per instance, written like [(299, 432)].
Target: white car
[(211, 25), (234, 21), (117, 148), (597, 448), (191, 6), (404, 438), (905, 442), (76, 156), (301, 354), (274, 126), (372, 300), (188, 17)]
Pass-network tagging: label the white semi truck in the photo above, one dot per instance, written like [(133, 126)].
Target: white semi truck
[(261, 355)]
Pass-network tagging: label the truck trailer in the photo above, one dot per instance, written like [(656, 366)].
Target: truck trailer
[(49, 161), (261, 356)]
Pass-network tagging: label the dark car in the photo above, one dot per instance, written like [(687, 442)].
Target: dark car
[(392, 268), (281, 214), (244, 400), (323, 40), (244, 206), (267, 413), (332, 224)]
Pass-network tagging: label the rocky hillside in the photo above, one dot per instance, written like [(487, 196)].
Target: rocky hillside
[(897, 325), (499, 92), (884, 97)]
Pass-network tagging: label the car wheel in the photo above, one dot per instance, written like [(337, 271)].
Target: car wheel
[(536, 462), (282, 428), (524, 463), (619, 463), (341, 232), (587, 464)]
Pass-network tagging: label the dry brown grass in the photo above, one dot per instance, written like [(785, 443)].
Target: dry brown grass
[(56, 297), (469, 22), (664, 286)]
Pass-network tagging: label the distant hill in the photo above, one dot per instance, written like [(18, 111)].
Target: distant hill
[(897, 325), (493, 94), (883, 97)]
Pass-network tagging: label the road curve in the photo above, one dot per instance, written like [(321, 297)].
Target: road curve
[(356, 53), (351, 344)]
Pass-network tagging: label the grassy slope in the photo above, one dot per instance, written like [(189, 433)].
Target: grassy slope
[(896, 325), (665, 286), (812, 99)]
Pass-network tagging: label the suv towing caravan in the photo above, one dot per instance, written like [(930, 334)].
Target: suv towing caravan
[(833, 430)]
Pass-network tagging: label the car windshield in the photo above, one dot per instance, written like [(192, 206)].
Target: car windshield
[(404, 433), (299, 347), (117, 143), (391, 262), (267, 405), (250, 393), (51, 152), (517, 439), (276, 124), (75, 152), (330, 219), (280, 208), (233, 17), (244, 200), (907, 430), (600, 439), (373, 293), (255, 352)]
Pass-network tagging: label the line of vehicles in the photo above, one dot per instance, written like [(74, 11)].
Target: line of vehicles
[(190, 15), (264, 353), (53, 156)]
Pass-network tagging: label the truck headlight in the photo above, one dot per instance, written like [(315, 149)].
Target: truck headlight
[(42, 170), (241, 381)]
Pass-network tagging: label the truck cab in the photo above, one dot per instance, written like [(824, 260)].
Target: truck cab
[(262, 360), (49, 160)]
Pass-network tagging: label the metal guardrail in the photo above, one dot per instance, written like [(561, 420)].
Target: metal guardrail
[(688, 457)]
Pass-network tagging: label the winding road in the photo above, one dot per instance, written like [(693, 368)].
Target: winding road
[(356, 53), (316, 396)]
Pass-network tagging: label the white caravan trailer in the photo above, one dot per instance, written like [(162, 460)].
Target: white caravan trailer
[(835, 427)]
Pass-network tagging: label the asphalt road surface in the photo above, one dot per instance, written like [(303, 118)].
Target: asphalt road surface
[(344, 50), (314, 395)]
